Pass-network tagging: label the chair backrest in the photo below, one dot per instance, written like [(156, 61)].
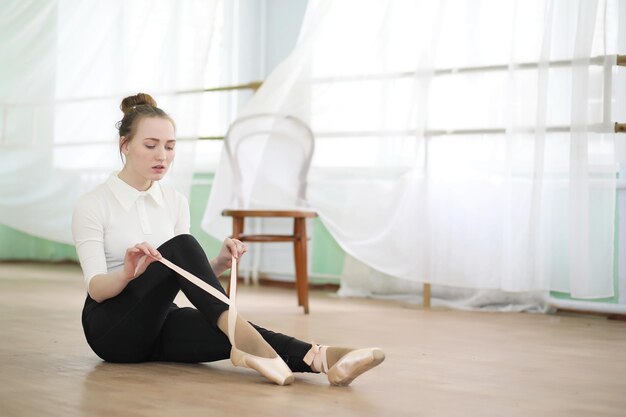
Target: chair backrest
[(270, 156)]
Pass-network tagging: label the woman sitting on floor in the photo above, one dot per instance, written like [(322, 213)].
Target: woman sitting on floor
[(124, 227)]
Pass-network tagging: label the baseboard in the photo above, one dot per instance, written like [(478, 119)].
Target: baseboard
[(609, 316)]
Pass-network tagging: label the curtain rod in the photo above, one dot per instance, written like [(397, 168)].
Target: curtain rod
[(252, 85), (598, 128), (598, 60), (618, 128), (593, 128)]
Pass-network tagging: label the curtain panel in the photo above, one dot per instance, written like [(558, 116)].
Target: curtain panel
[(460, 143), (66, 65)]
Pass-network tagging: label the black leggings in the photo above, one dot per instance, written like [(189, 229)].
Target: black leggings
[(143, 324)]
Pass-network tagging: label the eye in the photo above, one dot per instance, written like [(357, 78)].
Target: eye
[(169, 148), (150, 146)]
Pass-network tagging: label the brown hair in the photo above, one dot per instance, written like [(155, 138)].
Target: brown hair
[(136, 108)]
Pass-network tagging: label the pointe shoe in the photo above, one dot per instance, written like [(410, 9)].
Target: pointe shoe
[(274, 369), (348, 367), (353, 364)]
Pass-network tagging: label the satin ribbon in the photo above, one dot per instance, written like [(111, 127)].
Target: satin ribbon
[(231, 302)]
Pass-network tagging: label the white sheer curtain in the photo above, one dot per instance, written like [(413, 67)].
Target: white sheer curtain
[(66, 66), (461, 143)]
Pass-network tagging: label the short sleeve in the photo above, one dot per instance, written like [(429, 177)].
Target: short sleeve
[(183, 223), (88, 234)]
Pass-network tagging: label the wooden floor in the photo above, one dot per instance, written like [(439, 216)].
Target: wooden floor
[(439, 362)]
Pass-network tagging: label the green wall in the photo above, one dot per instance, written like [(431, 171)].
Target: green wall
[(15, 245), (615, 298)]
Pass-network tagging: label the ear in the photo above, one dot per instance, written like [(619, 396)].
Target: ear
[(124, 146)]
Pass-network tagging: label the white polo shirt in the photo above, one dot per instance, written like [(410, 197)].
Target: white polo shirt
[(115, 216)]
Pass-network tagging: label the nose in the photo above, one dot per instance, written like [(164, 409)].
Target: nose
[(161, 155)]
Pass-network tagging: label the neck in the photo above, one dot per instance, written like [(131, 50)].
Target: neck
[(136, 181)]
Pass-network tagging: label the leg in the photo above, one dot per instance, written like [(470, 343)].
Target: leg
[(125, 328), (188, 337), (251, 350), (186, 252), (345, 364), (290, 349)]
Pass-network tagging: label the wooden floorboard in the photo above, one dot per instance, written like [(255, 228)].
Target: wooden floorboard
[(439, 362)]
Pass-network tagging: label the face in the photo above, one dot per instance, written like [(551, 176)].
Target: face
[(151, 151)]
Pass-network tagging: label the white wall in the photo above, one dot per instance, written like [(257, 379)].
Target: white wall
[(249, 40), (283, 21), (268, 30)]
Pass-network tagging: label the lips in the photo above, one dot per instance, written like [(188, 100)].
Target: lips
[(158, 167)]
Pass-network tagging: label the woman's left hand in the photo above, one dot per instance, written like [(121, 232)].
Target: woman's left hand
[(230, 248)]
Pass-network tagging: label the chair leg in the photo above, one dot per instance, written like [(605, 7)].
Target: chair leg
[(426, 295), (255, 253), (302, 280), (238, 223), (297, 255)]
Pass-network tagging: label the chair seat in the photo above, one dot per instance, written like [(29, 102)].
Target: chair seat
[(268, 213), (267, 238)]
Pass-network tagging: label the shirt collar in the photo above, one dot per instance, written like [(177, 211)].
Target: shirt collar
[(127, 195)]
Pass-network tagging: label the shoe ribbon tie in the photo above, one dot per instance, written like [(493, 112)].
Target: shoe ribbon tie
[(231, 302)]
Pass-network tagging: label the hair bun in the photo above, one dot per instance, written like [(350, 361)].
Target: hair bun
[(137, 100)]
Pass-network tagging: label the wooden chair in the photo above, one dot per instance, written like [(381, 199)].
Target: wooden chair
[(272, 151)]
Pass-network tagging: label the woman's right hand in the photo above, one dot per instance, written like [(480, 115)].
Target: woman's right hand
[(137, 259)]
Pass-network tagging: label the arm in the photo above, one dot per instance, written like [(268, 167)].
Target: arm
[(223, 260), (88, 232), (216, 267), (136, 260), (105, 286)]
